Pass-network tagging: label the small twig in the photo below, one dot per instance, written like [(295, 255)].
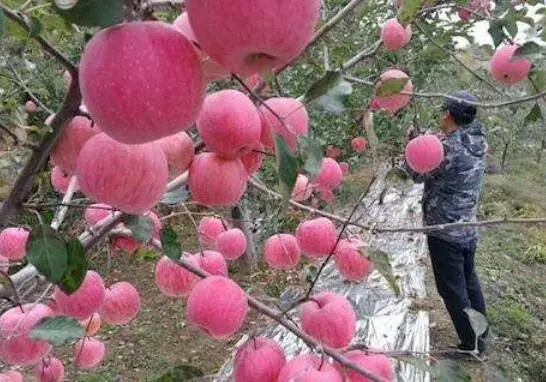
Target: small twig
[(44, 43), (61, 212), (447, 226), (260, 100), (368, 52), (457, 59), (23, 85), (13, 136), (323, 30), (196, 226), (13, 287), (339, 236), (484, 105)]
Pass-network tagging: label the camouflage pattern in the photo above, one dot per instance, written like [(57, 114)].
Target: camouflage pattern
[(452, 191)]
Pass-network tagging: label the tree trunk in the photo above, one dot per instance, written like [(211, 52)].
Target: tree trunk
[(505, 154), (240, 220)]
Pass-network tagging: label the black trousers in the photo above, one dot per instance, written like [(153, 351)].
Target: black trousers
[(457, 284)]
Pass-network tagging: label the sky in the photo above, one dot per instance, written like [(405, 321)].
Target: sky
[(482, 37)]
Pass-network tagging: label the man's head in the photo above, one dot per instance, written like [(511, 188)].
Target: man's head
[(458, 111)]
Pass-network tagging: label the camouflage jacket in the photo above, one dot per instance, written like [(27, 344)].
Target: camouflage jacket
[(452, 191)]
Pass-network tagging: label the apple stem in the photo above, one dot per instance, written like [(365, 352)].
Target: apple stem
[(313, 300), (321, 362)]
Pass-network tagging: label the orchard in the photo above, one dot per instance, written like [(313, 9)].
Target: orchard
[(247, 119)]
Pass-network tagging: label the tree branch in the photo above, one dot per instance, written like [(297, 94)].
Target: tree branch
[(39, 157), (374, 229), (485, 105), (353, 61), (61, 212), (457, 59), (19, 19), (323, 30), (22, 84)]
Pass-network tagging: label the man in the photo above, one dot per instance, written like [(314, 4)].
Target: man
[(451, 195)]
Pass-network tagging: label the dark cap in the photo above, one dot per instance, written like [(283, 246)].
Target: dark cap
[(462, 112)]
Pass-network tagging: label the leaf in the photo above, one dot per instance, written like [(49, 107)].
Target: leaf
[(314, 155), (287, 166), (93, 13), (382, 263), (408, 11), (334, 101), (450, 371), (477, 321), (141, 226), (534, 115), (181, 373), (391, 86), (527, 49), (65, 4), (462, 3), (46, 250), (76, 267), (509, 22), (36, 26), (538, 79), (398, 176), (57, 330), (170, 243), (2, 21), (176, 196), (322, 86), (496, 31)]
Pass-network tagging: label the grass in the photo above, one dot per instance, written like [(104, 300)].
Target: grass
[(511, 262)]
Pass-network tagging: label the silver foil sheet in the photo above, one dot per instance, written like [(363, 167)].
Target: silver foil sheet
[(385, 321)]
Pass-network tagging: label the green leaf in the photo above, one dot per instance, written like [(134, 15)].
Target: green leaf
[(181, 373), (382, 263), (170, 243), (334, 101), (448, 370), (176, 196), (314, 155), (477, 321), (93, 13), (509, 22), (322, 86), (46, 250), (287, 166), (462, 3), (408, 11), (397, 175), (496, 31), (76, 268), (2, 21), (65, 4), (57, 330), (534, 115), (527, 49), (142, 227), (36, 26), (391, 86), (538, 79)]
